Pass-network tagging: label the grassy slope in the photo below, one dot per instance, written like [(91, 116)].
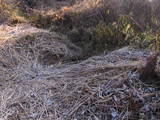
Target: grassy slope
[(100, 87), (94, 25), (98, 25)]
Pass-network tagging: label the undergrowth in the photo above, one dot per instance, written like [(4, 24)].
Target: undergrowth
[(96, 26), (108, 28), (11, 12)]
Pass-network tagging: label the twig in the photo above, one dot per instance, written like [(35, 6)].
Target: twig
[(79, 105)]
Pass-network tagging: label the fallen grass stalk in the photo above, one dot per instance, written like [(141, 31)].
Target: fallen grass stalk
[(95, 87)]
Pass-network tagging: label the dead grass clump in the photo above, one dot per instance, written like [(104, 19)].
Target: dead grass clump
[(40, 81), (39, 44), (101, 87)]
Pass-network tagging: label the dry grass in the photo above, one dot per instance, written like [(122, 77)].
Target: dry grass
[(45, 15), (39, 80), (101, 87)]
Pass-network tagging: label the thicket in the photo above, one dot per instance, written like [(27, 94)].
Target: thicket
[(111, 24), (132, 22), (98, 25), (11, 12)]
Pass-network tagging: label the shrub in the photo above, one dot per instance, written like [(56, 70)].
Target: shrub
[(11, 11)]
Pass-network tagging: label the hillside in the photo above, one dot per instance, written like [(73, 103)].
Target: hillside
[(78, 60)]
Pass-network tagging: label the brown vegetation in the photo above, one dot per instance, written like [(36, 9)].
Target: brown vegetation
[(147, 70), (65, 70)]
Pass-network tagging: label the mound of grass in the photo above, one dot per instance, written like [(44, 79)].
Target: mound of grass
[(37, 44)]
